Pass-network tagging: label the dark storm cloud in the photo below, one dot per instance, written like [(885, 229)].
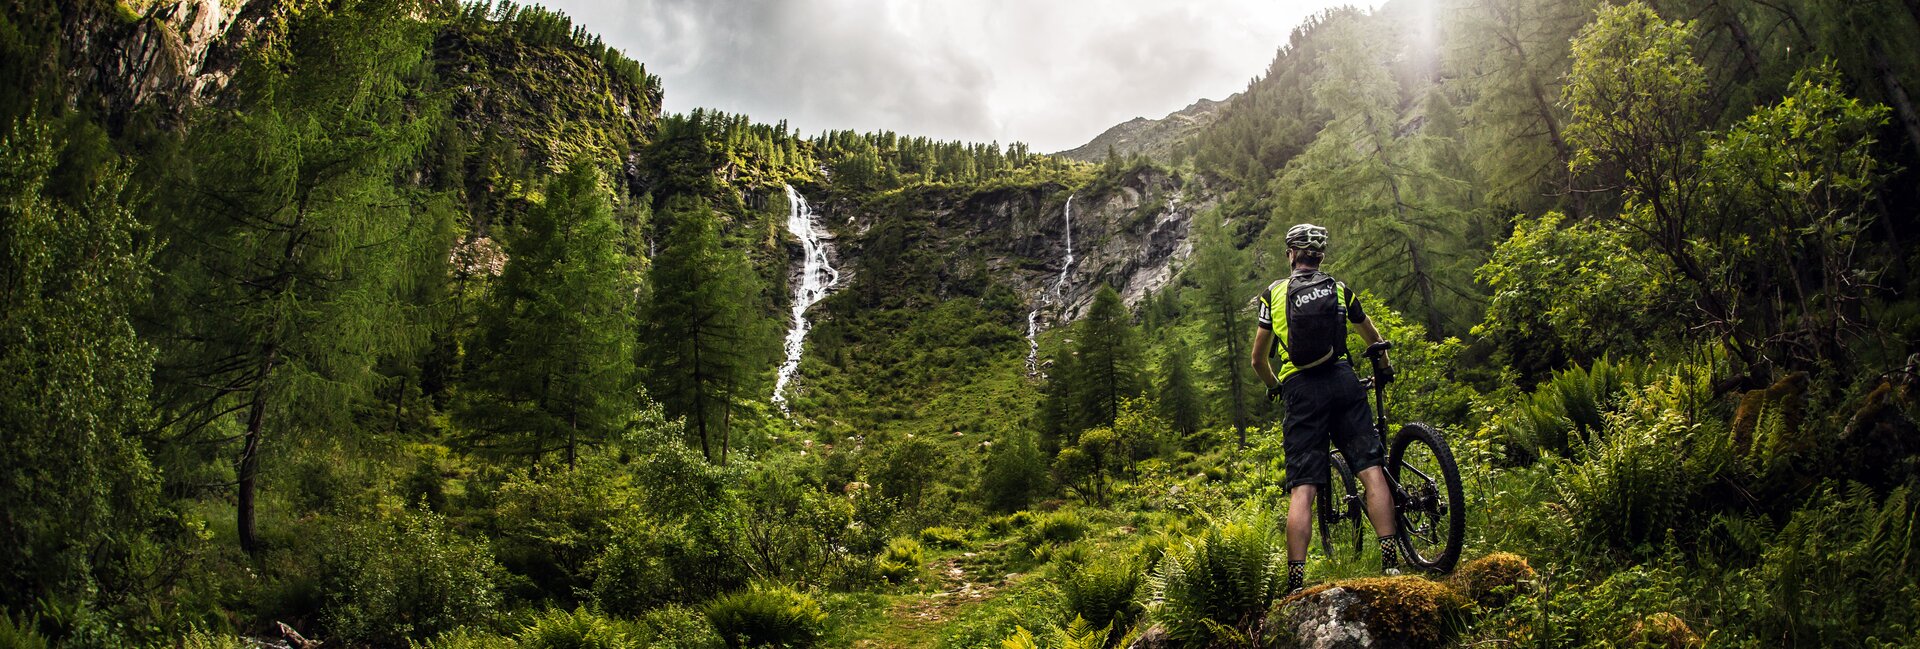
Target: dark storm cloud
[(1051, 73)]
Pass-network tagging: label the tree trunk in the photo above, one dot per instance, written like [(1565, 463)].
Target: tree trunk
[(1897, 93), (1741, 39), (245, 470)]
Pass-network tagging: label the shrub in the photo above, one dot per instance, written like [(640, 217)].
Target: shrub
[(1493, 580), (1058, 527), (20, 634), (1102, 593), (946, 538), (1003, 525), (384, 581), (900, 560), (675, 627), (580, 629), (1569, 408), (1222, 580), (767, 616), (469, 638), (650, 563)]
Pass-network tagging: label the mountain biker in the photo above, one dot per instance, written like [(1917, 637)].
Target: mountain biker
[(1307, 333)]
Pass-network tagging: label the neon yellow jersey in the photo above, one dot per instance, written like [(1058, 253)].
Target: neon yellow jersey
[(1276, 293)]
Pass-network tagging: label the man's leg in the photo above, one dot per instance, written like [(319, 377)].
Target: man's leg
[(1299, 533), (1380, 513)]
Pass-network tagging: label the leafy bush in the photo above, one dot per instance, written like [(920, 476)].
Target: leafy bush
[(900, 560), (1838, 574), (409, 576), (1220, 583), (580, 629), (469, 638), (767, 616), (650, 563), (675, 627), (20, 634), (946, 538), (1638, 476)]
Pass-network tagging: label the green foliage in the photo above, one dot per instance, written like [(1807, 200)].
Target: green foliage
[(552, 365), (698, 331), (1065, 526), (1015, 473), (78, 488), (1102, 593), (1220, 270), (675, 627), (1572, 292), (1569, 408), (303, 248), (1107, 361), (1637, 475), (900, 561), (943, 537), (1218, 585), (405, 577), (1179, 399), (1838, 573), (581, 629), (767, 616)]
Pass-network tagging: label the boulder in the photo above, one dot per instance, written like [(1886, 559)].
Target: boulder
[(1493, 580), (1387, 612), (1664, 630)]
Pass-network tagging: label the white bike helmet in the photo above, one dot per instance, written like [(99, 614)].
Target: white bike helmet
[(1307, 236)]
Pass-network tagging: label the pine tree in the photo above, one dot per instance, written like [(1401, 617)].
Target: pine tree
[(552, 365), (1179, 400), (293, 246), (698, 344), (1220, 269), (1109, 360)]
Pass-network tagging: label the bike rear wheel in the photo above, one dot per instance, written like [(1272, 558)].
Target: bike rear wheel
[(1433, 516), (1339, 506)]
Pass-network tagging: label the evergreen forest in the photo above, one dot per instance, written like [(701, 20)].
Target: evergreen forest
[(421, 323)]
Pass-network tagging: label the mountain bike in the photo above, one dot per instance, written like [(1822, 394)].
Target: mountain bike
[(1428, 506)]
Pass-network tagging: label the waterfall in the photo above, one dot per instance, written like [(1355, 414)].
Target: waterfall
[(1033, 317), (816, 279)]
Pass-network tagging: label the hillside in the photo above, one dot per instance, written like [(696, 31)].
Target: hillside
[(388, 323), (1156, 139)]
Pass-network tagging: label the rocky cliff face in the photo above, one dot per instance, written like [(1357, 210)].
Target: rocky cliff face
[(1130, 233), (174, 56)]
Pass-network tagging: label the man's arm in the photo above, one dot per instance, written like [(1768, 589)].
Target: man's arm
[(1263, 368)]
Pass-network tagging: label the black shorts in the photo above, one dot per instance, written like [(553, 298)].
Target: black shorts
[(1327, 404)]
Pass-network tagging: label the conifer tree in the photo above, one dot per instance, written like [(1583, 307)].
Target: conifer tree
[(292, 243), (1179, 399), (552, 364), (697, 336), (1219, 269), (1109, 360)]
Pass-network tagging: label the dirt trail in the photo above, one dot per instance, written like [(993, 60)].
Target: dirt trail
[(914, 620)]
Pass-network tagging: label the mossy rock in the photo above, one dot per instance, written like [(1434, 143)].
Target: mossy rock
[(1664, 631), (1493, 580), (1391, 612)]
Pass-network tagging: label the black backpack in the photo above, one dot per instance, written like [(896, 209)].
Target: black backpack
[(1315, 319)]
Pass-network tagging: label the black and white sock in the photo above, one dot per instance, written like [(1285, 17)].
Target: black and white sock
[(1296, 575), (1390, 552)]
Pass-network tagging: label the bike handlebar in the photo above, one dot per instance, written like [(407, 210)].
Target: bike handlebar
[(1376, 349)]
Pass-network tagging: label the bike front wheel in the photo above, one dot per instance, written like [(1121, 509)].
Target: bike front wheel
[(1432, 514)]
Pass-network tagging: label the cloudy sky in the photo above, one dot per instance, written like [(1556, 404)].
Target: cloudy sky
[(1051, 73)]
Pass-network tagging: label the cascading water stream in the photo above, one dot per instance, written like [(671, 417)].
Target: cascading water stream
[(1033, 317), (817, 277)]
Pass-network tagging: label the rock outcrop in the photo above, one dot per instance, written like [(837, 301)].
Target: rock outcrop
[(175, 56), (1385, 612)]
